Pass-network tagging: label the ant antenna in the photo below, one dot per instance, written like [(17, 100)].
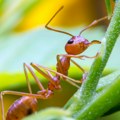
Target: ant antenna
[(46, 26), (93, 23)]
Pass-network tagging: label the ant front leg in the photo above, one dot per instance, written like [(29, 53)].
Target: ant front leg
[(63, 66), (78, 56)]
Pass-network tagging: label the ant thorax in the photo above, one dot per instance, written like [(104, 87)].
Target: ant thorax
[(76, 45)]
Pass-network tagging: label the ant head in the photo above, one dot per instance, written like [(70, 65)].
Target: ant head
[(76, 45)]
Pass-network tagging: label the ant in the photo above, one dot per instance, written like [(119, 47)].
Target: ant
[(27, 104)]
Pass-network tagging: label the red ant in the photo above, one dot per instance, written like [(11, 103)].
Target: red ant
[(27, 104)]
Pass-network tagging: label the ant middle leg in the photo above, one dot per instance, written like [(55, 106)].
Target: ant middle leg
[(68, 79)]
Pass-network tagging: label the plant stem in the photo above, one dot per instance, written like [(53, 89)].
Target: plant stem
[(101, 102), (88, 88)]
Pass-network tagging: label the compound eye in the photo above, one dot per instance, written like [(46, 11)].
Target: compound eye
[(70, 41)]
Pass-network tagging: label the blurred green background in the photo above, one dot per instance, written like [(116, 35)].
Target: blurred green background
[(23, 38)]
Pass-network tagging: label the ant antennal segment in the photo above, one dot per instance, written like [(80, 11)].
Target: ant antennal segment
[(93, 23), (49, 28)]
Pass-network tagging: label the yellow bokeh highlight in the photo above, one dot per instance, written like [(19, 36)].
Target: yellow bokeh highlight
[(74, 13), (40, 14)]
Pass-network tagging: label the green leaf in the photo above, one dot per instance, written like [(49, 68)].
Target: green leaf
[(51, 114), (115, 116)]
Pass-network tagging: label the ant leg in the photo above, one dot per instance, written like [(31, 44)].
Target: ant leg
[(68, 79), (37, 96), (58, 61), (60, 66), (78, 56), (34, 76), (2, 107), (43, 90), (53, 83), (27, 79), (49, 28), (84, 72), (93, 23), (78, 66), (37, 67), (49, 77)]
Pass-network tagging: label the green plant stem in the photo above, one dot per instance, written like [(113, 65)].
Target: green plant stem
[(101, 102), (88, 88)]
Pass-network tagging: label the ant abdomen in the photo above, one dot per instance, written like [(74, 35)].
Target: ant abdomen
[(22, 108)]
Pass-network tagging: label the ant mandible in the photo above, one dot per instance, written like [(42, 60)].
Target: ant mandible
[(27, 104)]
